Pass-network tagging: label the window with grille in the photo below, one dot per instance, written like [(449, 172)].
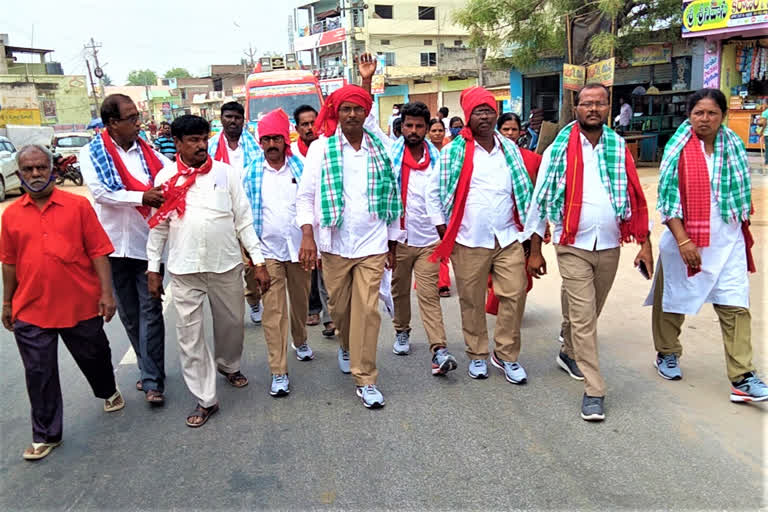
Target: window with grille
[(429, 59), (384, 42), (383, 11), (389, 58), (426, 13), (427, 42)]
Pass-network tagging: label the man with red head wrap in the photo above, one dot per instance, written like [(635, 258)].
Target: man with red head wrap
[(478, 202), (270, 184), (349, 197)]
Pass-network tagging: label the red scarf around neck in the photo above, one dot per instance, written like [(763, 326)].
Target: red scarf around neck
[(154, 165), (222, 153), (636, 227), (303, 148), (445, 248), (695, 198), (409, 164), (176, 195)]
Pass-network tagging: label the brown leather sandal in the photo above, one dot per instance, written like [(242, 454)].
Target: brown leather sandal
[(202, 412), (235, 379)]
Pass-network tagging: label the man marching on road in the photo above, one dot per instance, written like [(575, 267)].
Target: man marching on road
[(414, 159), (205, 214), (483, 191), (119, 169), (588, 188), (237, 147), (56, 282), (349, 190), (270, 185), (305, 117)]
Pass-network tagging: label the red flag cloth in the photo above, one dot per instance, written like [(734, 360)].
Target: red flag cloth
[(328, 118), (222, 155), (277, 123), (410, 163), (176, 195), (532, 162), (636, 227), (303, 148), (695, 197), (154, 165)]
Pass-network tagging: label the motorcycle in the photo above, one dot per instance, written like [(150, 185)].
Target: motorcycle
[(67, 169)]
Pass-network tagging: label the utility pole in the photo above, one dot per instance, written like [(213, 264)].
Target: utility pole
[(94, 48), (93, 86), (250, 53)]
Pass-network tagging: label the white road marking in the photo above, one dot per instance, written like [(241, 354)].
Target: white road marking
[(130, 354)]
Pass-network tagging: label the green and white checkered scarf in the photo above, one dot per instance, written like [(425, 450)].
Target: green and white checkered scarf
[(730, 179), (611, 162), (452, 159), (383, 196)]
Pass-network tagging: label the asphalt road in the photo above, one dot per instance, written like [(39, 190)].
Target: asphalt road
[(440, 443)]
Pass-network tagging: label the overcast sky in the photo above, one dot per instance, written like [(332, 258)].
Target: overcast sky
[(140, 34)]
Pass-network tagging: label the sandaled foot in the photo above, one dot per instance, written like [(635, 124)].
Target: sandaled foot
[(313, 319), (444, 292), (200, 415), (330, 330), (235, 379), (155, 397), (114, 403), (139, 385), (37, 451)]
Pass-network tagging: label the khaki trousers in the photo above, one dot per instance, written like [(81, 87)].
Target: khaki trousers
[(735, 325), (415, 260), (290, 277), (252, 290), (224, 292), (587, 279), (471, 265), (353, 299)]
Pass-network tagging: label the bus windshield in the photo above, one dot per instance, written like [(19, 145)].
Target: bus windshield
[(262, 100)]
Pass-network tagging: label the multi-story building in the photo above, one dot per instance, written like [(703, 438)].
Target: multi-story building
[(411, 38)]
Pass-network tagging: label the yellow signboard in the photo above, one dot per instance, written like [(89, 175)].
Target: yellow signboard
[(702, 15), (377, 84), (651, 54), (573, 77), (25, 116), (601, 72)]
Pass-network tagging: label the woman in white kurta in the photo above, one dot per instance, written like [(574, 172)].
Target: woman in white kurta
[(704, 200)]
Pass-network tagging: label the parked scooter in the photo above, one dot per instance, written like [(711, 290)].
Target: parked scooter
[(67, 169)]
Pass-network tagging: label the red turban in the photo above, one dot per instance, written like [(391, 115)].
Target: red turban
[(276, 123), (474, 97), (328, 118)]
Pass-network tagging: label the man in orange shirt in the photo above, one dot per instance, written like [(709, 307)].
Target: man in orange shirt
[(56, 282)]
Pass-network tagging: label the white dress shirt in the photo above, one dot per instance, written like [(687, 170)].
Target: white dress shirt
[(489, 210), (205, 239), (361, 233), (598, 225), (295, 150), (126, 227), (280, 235), (419, 230)]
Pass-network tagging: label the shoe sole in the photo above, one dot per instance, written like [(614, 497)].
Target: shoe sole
[(746, 398), (401, 353), (593, 417), (480, 376), (501, 368), (564, 366), (280, 393), (375, 405), (306, 358), (656, 365), (442, 370)]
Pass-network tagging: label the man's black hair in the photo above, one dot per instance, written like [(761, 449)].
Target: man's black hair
[(233, 106), (444, 111), (301, 109), (110, 107), (189, 125), (415, 109), (397, 126)]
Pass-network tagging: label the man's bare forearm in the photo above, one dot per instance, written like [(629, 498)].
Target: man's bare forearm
[(9, 282), (104, 271)]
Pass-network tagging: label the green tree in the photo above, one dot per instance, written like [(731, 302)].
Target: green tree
[(142, 77), (522, 31), (177, 73), (106, 79)]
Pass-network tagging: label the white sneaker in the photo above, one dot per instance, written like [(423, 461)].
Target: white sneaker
[(303, 352), (256, 312), (279, 385), (371, 396), (343, 358)]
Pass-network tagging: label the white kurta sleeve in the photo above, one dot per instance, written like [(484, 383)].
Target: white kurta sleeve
[(305, 196)]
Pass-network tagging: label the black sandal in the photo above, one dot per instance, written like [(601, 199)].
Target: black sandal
[(202, 412), (329, 332), (235, 379)]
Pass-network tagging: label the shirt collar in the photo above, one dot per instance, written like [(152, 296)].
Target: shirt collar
[(345, 142), (135, 145), (239, 142), (496, 145), (585, 141), (269, 168), (54, 198)]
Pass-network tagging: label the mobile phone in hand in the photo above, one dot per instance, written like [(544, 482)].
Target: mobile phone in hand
[(643, 270)]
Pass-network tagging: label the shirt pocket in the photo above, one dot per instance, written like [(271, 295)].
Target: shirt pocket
[(62, 248), (220, 200)]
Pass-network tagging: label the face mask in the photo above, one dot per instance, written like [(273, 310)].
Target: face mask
[(455, 131), (395, 111)]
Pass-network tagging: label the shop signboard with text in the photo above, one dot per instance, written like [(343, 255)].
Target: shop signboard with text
[(723, 15), (601, 72), (573, 77), (651, 54)]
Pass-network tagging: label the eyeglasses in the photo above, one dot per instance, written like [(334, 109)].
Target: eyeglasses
[(348, 110), (130, 119), (486, 112), (592, 104)]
